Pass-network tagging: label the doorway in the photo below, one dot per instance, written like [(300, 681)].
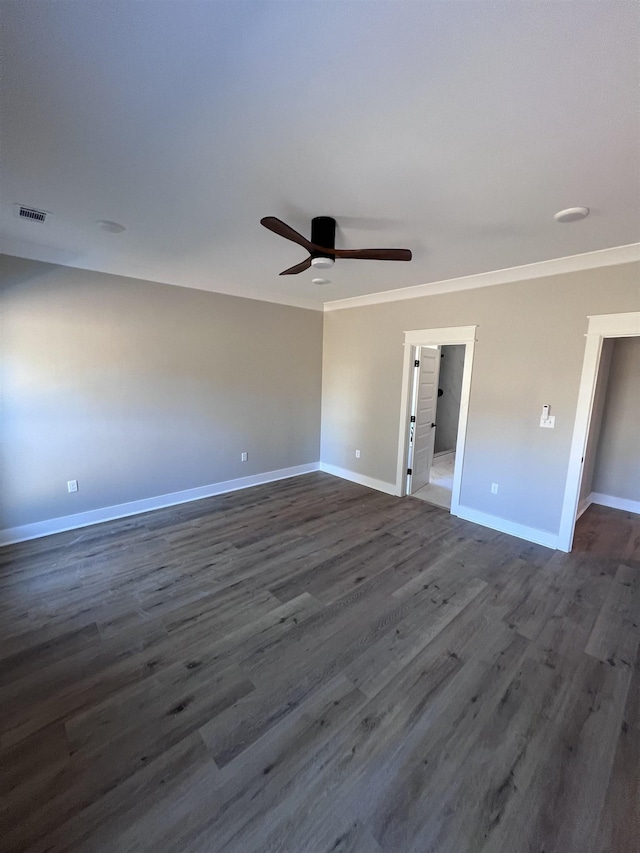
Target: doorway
[(433, 435), (611, 470), (430, 465), (601, 328)]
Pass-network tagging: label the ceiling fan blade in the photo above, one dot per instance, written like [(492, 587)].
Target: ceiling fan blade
[(283, 230), (298, 268), (373, 254)]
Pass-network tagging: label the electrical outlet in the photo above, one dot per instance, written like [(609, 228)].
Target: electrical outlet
[(244, 456), (494, 488), (72, 486), (357, 454)]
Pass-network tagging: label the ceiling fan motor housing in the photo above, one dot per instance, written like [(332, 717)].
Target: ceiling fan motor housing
[(322, 246), (323, 233)]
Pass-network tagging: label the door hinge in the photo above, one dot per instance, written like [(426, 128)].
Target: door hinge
[(416, 363), (409, 471), (413, 419)]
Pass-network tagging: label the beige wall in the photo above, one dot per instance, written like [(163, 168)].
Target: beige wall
[(139, 389), (529, 351), (617, 466)]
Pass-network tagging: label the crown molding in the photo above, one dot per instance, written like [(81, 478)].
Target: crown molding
[(556, 266)]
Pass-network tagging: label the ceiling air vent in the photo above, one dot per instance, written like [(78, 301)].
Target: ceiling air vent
[(31, 213)]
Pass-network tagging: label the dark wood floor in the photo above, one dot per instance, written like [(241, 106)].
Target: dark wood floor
[(310, 666)]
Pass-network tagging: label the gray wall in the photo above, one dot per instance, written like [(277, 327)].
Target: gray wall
[(529, 351), (597, 413), (448, 411), (617, 467), (138, 389)]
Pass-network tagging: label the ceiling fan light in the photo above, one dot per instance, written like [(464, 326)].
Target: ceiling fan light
[(322, 263)]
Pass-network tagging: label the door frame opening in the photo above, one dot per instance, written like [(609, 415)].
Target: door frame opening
[(601, 326), (413, 341)]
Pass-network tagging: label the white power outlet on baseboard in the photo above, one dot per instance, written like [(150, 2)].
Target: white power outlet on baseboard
[(72, 486), (357, 454), (244, 456), (494, 488)]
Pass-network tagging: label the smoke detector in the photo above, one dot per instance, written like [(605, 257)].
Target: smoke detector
[(571, 214)]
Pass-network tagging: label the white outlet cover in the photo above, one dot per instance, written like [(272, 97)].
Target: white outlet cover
[(548, 423), (72, 486)]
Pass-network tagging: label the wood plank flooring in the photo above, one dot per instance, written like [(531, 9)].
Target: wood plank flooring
[(310, 666)]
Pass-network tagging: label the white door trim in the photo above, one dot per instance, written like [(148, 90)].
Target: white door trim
[(440, 337), (601, 326)]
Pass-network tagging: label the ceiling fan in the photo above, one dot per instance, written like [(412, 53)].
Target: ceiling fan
[(321, 247)]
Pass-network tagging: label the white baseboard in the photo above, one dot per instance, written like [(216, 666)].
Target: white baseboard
[(531, 534), (360, 479), (613, 502), (110, 513)]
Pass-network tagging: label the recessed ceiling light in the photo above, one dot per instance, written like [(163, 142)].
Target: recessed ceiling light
[(320, 281), (111, 227), (571, 214)]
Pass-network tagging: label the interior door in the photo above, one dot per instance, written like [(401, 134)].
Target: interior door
[(425, 428)]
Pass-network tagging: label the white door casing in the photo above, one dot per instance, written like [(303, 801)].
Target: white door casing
[(601, 326), (426, 403), (435, 337)]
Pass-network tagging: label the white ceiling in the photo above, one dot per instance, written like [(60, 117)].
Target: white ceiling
[(455, 129)]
